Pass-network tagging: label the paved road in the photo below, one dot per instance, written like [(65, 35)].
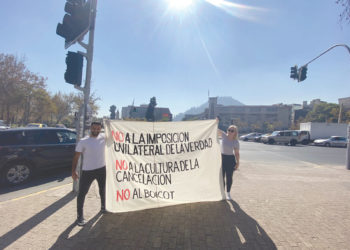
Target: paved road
[(281, 154), (258, 152)]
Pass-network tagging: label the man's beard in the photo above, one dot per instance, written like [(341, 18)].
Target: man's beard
[(95, 134)]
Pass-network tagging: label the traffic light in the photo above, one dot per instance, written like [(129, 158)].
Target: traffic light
[(294, 72), (76, 22), (302, 73), (74, 72)]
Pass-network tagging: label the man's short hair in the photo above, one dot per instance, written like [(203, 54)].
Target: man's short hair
[(96, 123)]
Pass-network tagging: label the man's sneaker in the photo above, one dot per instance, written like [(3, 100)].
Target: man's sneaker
[(103, 209), (228, 196), (81, 221)]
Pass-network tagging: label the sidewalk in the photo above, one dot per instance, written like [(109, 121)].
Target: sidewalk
[(289, 207)]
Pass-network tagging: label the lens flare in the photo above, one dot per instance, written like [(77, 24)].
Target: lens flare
[(179, 4)]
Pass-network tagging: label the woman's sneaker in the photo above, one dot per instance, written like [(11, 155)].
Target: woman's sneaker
[(228, 196), (81, 221)]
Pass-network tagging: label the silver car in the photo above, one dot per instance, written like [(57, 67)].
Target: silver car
[(333, 141), (249, 137)]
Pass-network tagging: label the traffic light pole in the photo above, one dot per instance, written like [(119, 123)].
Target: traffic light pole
[(337, 45), (348, 128), (86, 90)]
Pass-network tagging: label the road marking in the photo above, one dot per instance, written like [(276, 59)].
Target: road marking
[(34, 194)]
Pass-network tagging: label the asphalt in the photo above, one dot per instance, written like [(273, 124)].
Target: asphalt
[(291, 206)]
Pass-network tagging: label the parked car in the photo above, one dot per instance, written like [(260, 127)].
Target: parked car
[(249, 137), (24, 151), (3, 125), (60, 126), (36, 125), (304, 137), (258, 137), (333, 141), (291, 137), (264, 138)]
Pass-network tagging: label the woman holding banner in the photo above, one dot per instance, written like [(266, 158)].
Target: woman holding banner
[(229, 155)]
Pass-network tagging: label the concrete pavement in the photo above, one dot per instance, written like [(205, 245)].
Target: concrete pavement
[(294, 206)]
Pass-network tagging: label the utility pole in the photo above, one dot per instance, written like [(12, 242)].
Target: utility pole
[(302, 76), (79, 20)]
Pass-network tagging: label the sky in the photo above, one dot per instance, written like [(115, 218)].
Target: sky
[(181, 50)]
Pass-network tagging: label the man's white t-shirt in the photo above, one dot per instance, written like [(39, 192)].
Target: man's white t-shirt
[(93, 150)]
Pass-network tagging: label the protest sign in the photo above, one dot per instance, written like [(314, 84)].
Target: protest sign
[(156, 164)]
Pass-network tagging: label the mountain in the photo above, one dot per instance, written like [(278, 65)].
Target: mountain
[(223, 100)]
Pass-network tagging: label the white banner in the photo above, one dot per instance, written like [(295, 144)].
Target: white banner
[(157, 164)]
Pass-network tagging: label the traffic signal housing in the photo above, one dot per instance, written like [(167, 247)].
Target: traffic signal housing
[(302, 73), (76, 21), (294, 72), (74, 72)]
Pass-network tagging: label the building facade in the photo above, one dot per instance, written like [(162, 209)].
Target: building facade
[(139, 113), (247, 117)]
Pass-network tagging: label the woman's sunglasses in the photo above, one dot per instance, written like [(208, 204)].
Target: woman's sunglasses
[(231, 130)]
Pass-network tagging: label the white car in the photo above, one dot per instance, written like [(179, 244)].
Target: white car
[(333, 141), (249, 137), (3, 125)]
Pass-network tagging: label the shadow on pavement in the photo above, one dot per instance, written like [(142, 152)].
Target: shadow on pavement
[(43, 177), (207, 225), (16, 233)]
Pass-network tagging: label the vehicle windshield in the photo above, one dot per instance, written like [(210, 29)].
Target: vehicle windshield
[(275, 133), (33, 125)]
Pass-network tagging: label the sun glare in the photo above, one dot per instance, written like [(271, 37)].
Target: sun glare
[(179, 4)]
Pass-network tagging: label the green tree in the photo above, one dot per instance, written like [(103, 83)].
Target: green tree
[(150, 110), (24, 96), (78, 101), (112, 110), (345, 15), (324, 112), (17, 87), (42, 106), (63, 106)]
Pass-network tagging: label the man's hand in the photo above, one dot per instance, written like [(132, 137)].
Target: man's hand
[(75, 175)]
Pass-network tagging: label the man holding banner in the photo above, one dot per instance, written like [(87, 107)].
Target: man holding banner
[(92, 148)]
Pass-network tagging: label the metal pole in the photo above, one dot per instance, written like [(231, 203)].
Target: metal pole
[(348, 132), (348, 149), (337, 45), (86, 90), (89, 58)]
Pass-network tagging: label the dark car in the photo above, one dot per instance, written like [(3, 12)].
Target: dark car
[(24, 151)]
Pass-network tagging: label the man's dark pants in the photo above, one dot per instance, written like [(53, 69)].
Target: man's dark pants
[(86, 178)]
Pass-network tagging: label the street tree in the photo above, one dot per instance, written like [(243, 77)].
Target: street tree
[(150, 110), (24, 97), (112, 110), (17, 87), (62, 106), (345, 15), (324, 112), (78, 101)]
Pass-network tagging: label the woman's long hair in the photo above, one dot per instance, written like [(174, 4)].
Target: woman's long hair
[(235, 134)]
